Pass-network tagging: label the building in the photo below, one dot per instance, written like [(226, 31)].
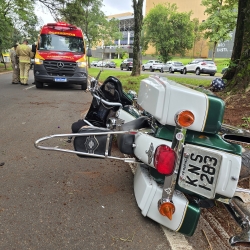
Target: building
[(126, 22), (201, 48), (126, 26)]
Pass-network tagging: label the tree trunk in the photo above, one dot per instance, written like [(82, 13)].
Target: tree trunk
[(214, 48), (89, 46), (238, 74), (138, 18), (5, 65)]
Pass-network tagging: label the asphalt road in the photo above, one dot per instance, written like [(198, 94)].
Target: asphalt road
[(52, 200), (176, 74)]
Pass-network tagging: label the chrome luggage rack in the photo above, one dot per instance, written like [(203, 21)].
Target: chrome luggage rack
[(106, 156)]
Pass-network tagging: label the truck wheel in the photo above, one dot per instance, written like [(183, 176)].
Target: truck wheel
[(127, 68), (39, 85), (84, 86)]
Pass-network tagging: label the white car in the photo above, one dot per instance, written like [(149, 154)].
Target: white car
[(172, 66), (151, 65), (101, 64), (94, 63), (201, 66)]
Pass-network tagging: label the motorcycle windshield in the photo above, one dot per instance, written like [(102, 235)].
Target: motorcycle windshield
[(61, 43)]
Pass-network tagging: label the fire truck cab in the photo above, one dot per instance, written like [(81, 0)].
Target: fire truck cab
[(60, 56)]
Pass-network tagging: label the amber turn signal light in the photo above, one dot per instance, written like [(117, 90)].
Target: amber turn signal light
[(167, 209), (185, 118)]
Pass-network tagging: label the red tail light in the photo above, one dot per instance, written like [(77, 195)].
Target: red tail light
[(164, 160)]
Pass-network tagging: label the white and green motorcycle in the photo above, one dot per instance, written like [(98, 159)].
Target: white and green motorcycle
[(186, 157)]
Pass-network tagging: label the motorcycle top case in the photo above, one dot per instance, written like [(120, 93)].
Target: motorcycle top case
[(163, 98)]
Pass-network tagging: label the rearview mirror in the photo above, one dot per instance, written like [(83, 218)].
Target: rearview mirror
[(33, 48), (89, 52)]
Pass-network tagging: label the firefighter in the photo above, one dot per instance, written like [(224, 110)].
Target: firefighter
[(15, 65), (25, 54)]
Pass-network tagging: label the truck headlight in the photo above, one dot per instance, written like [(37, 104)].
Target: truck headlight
[(38, 61), (81, 64)]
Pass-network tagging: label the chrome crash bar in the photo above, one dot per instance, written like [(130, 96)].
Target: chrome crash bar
[(56, 148), (107, 103)]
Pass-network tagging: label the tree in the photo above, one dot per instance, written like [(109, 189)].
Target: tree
[(197, 36), (169, 31), (53, 6), (138, 20), (87, 15), (109, 31), (238, 74), (221, 20), (18, 20)]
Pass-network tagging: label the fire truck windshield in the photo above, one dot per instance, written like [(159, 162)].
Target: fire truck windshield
[(61, 43)]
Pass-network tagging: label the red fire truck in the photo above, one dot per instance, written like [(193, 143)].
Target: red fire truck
[(60, 56)]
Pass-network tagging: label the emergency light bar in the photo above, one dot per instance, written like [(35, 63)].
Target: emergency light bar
[(61, 25)]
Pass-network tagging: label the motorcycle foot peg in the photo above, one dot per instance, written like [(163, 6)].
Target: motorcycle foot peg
[(241, 239), (69, 139)]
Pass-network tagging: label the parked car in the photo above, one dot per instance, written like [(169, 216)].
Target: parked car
[(201, 66), (110, 64), (94, 63), (101, 64), (127, 64), (172, 66), (151, 65)]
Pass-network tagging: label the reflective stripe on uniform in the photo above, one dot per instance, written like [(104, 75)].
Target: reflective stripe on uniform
[(23, 61)]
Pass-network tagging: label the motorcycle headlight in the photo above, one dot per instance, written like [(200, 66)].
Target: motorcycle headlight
[(38, 61), (81, 64)]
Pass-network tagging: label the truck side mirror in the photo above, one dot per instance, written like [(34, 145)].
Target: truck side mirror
[(89, 53), (33, 48)]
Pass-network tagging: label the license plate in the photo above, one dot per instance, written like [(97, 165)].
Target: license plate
[(199, 171), (61, 79)]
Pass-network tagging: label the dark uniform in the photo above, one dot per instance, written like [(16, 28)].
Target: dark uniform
[(15, 65), (25, 54)]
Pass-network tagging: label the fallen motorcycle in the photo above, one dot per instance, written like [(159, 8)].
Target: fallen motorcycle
[(186, 157)]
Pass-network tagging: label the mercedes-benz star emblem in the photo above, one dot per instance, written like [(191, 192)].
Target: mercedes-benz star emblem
[(60, 65)]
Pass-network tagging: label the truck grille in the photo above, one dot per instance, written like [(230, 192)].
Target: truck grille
[(59, 68)]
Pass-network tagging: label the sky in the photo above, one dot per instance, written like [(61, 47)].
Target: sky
[(110, 7)]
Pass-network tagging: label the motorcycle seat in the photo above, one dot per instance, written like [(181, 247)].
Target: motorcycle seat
[(125, 141), (112, 91)]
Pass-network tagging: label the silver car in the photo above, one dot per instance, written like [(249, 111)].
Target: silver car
[(201, 66), (172, 66)]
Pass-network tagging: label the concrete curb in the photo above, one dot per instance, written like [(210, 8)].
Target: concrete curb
[(6, 72)]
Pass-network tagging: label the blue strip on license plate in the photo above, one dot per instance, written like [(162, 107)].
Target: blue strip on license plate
[(61, 79)]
